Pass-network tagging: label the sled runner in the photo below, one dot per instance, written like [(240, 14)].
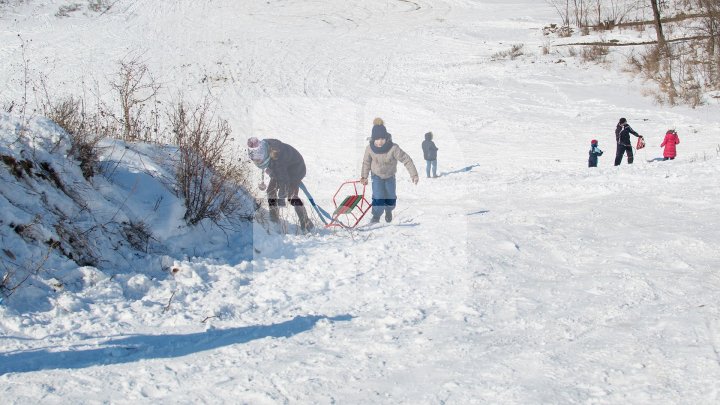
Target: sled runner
[(352, 208)]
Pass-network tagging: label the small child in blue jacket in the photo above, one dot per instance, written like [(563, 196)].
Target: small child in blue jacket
[(594, 153)]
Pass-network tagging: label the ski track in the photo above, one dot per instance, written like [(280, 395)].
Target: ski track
[(510, 282)]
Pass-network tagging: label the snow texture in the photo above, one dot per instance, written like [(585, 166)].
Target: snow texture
[(519, 275)]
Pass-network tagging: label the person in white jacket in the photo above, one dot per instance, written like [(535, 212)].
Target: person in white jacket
[(380, 161)]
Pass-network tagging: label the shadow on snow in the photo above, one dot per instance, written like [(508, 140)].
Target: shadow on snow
[(462, 170), (139, 347)]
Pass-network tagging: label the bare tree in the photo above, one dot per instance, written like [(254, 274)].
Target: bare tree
[(711, 25), (562, 7), (135, 86), (658, 25), (581, 11)]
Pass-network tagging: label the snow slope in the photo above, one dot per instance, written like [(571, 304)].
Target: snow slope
[(518, 276)]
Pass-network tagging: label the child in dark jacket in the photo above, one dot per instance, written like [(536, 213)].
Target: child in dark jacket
[(594, 153), (430, 154)]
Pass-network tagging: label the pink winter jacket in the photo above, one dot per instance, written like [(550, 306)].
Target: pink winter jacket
[(671, 139)]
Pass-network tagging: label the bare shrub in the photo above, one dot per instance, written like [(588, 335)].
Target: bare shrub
[(15, 274), (99, 6), (681, 76), (138, 234), (66, 10), (75, 245), (633, 64), (605, 24), (84, 130), (136, 87), (594, 53), (514, 52), (208, 181)]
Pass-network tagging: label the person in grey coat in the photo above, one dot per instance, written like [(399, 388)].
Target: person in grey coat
[(380, 160), (430, 154), (286, 168)]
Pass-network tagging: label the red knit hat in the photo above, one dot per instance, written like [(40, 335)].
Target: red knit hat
[(593, 142)]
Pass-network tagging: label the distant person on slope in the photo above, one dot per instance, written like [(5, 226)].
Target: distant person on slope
[(430, 154), (671, 139), (286, 168), (622, 136), (380, 159), (594, 153)]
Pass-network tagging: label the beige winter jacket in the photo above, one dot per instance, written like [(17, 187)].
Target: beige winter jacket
[(384, 165)]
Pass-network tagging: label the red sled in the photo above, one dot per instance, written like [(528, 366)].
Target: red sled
[(640, 143), (352, 208)]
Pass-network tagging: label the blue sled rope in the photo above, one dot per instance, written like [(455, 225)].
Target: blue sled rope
[(321, 212)]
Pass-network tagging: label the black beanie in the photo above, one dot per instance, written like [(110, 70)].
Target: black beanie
[(379, 132)]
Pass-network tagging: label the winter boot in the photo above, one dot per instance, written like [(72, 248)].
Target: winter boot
[(375, 219), (388, 216)]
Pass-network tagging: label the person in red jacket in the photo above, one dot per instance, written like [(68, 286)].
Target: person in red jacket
[(671, 139)]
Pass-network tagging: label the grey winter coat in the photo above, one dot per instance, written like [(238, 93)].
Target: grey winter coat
[(384, 165), (429, 148)]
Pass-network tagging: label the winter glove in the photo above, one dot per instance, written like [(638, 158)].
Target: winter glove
[(363, 181), (415, 179)]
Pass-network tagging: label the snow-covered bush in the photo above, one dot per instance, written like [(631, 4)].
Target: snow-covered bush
[(207, 179), (85, 131)]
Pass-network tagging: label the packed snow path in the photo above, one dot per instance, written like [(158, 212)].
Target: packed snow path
[(518, 276)]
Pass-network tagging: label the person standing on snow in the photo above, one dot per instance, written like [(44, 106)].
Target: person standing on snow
[(671, 139), (622, 136), (594, 153), (286, 168), (380, 159), (430, 154)]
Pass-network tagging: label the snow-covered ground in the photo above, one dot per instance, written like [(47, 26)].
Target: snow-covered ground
[(518, 276)]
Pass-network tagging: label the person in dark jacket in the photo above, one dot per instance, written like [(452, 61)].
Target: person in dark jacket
[(594, 153), (622, 136), (286, 168), (430, 154)]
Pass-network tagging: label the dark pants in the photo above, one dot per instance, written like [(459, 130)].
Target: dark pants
[(621, 149), (292, 197), (383, 195)]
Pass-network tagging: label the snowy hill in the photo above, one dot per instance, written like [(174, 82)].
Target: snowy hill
[(517, 276)]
